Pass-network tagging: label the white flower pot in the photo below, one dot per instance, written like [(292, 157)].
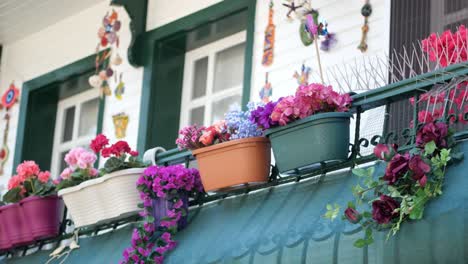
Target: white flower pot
[(109, 197)]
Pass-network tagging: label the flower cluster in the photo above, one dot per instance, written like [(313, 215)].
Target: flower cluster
[(29, 181), (411, 179), (80, 168), (169, 183), (120, 155), (237, 124), (308, 100), (448, 48), (240, 125), (261, 115)]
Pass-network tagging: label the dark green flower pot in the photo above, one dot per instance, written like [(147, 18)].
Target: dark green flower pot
[(318, 138)]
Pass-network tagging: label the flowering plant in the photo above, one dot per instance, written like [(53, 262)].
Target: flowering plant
[(448, 48), (154, 237), (309, 100), (410, 181), (120, 155), (80, 168), (237, 124), (29, 181)]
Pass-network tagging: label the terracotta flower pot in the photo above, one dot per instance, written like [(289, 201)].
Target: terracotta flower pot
[(234, 163), (15, 226), (47, 213), (161, 206)]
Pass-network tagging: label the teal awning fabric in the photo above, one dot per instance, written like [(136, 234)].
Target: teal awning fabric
[(285, 225)]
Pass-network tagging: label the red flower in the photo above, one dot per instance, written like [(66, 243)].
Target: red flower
[(434, 131), (133, 153), (352, 215), (419, 169), (99, 143), (106, 152), (383, 210), (120, 148), (396, 168)]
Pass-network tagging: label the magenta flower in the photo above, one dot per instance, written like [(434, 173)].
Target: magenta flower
[(434, 131), (396, 168), (383, 210)]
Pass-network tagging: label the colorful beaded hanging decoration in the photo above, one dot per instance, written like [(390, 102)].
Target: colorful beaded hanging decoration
[(293, 8), (269, 42), (267, 91), (120, 88), (120, 125), (303, 77), (109, 58), (9, 98), (366, 11)]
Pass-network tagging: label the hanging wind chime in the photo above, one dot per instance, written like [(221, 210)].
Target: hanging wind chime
[(366, 11), (269, 42), (109, 58), (266, 92), (120, 125), (9, 98)]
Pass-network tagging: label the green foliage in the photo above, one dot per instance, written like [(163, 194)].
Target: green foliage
[(429, 148), (332, 211), (13, 195), (367, 240), (121, 163)]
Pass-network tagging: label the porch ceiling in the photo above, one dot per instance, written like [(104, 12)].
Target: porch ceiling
[(21, 18)]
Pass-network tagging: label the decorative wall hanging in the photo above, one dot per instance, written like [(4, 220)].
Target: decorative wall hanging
[(9, 98), (269, 42), (120, 125), (292, 8), (303, 77), (120, 89), (366, 11), (267, 91), (109, 58)]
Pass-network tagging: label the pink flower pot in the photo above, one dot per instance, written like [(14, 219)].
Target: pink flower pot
[(15, 226), (46, 212)]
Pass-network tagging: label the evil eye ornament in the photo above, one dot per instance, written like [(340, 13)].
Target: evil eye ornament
[(10, 96)]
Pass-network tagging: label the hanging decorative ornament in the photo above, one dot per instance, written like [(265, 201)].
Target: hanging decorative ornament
[(120, 88), (303, 77), (267, 91), (292, 8), (269, 42), (306, 38), (9, 98), (109, 40), (366, 11), (120, 125)]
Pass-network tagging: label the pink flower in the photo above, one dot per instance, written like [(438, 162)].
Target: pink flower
[(419, 169), (44, 176), (86, 159), (14, 182), (66, 173), (381, 150), (207, 138), (71, 158), (27, 170), (93, 172)]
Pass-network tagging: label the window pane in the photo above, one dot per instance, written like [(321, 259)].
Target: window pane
[(229, 68), (63, 164), (222, 106), (88, 117), (199, 79), (69, 119), (197, 115)]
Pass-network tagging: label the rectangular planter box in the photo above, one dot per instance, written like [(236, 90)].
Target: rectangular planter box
[(33, 218), (112, 196), (234, 163), (318, 138)]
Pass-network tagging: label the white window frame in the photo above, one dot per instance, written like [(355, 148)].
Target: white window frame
[(59, 146), (210, 50)]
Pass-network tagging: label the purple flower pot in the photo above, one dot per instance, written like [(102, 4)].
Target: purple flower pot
[(47, 213), (5, 242), (161, 206), (15, 226)]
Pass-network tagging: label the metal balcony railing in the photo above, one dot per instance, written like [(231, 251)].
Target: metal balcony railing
[(440, 82)]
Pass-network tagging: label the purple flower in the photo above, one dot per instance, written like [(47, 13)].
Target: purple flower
[(262, 115), (419, 169), (352, 215)]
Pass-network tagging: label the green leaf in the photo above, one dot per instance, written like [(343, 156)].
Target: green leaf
[(13, 195), (332, 211), (114, 164), (351, 205), (150, 219), (360, 243), (366, 215), (361, 172), (429, 148), (444, 156)]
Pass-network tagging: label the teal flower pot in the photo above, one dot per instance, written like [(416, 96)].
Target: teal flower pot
[(318, 138)]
